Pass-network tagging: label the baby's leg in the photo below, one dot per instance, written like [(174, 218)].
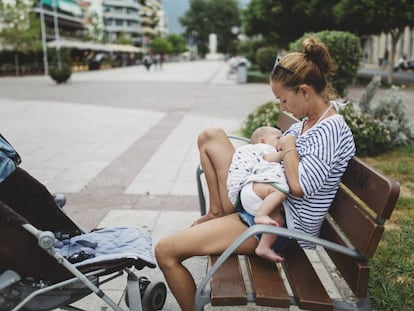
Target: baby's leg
[(264, 248), (269, 213), (272, 200)]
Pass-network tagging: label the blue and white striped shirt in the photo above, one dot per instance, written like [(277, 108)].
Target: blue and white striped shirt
[(324, 151)]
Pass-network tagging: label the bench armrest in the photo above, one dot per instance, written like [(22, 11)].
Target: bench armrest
[(280, 231)]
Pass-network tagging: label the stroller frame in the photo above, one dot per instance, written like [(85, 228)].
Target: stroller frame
[(46, 241), (140, 294)]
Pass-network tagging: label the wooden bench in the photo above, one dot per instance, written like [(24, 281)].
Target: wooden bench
[(349, 238)]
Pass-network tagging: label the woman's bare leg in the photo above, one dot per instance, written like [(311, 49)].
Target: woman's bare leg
[(211, 237), (216, 152)]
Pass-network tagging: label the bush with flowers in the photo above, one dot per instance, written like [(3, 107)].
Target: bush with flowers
[(376, 128), (381, 127), (265, 115)]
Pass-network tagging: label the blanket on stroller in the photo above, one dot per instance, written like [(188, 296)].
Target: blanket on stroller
[(108, 244)]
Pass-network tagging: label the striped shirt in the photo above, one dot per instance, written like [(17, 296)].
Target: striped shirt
[(324, 151)]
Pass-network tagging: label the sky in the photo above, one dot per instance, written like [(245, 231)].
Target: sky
[(176, 8)]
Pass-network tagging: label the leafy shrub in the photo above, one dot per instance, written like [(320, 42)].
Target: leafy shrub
[(381, 128), (60, 75), (265, 115), (370, 137), (345, 49), (255, 76), (248, 49), (391, 111), (265, 58)]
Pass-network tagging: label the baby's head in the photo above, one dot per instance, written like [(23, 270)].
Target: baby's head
[(266, 135)]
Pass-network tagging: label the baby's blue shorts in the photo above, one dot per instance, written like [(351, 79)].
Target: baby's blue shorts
[(281, 243)]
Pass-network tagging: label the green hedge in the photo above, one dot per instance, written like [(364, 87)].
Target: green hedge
[(345, 49), (265, 58)]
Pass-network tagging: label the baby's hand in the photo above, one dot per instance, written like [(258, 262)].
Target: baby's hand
[(273, 157), (265, 220)]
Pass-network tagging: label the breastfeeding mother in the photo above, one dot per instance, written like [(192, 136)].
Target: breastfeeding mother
[(316, 152)]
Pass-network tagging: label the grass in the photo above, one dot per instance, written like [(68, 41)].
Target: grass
[(392, 276)]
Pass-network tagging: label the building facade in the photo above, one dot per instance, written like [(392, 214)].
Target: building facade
[(136, 20), (375, 47), (65, 15), (121, 18)]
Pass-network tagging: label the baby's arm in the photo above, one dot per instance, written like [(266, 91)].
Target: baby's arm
[(273, 156)]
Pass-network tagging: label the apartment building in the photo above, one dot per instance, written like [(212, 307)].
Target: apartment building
[(66, 13), (137, 20)]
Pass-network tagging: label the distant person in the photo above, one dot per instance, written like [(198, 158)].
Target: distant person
[(147, 62), (162, 59), (155, 62), (385, 58)]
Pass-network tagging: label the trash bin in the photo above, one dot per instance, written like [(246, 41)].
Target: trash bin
[(242, 72)]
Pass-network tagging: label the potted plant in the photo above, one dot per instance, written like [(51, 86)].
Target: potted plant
[(60, 75)]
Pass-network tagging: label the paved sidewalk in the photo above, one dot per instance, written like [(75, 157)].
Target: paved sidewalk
[(121, 143)]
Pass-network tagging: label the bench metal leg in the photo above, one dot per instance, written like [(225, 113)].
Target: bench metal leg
[(201, 197), (360, 305)]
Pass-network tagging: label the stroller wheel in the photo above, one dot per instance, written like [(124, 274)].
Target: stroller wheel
[(154, 296)]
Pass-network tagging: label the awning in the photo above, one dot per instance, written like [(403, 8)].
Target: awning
[(87, 45), (67, 6)]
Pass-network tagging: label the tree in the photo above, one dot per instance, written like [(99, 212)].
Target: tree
[(212, 16), (160, 45), (281, 22), (178, 44), (123, 39), (21, 29), (95, 27), (374, 17)]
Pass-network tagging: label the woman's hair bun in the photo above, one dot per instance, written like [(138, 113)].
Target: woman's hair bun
[(315, 51)]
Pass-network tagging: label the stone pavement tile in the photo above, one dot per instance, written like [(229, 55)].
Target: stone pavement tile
[(85, 138), (172, 167)]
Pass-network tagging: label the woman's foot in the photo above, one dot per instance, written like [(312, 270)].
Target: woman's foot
[(268, 253)]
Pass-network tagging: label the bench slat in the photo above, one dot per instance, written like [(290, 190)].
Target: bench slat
[(285, 120), (359, 227), (309, 292), (267, 283), (227, 284), (354, 271), (376, 190)]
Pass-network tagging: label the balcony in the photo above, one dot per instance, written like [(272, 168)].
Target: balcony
[(122, 3)]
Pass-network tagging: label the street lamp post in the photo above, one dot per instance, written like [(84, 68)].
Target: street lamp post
[(57, 36), (43, 31)]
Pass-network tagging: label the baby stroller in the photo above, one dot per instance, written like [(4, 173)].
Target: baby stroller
[(49, 262)]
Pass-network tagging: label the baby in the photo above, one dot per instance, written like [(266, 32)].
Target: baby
[(256, 179)]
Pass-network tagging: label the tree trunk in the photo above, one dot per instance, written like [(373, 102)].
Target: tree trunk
[(395, 36), (16, 63)]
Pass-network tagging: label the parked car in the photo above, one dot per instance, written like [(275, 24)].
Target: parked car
[(402, 64)]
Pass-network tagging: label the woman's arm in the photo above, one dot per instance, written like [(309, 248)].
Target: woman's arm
[(290, 159)]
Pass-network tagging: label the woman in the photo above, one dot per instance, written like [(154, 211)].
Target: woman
[(316, 152)]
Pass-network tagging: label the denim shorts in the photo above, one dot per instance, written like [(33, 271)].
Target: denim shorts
[(281, 243)]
